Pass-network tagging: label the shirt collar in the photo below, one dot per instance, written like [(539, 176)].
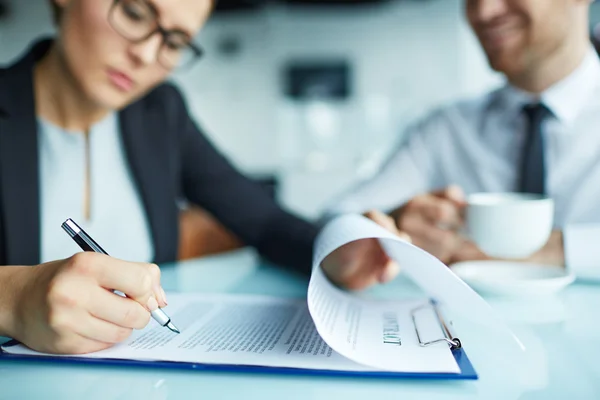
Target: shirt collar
[(566, 98)]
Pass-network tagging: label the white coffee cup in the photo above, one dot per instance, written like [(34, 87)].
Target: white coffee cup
[(509, 225)]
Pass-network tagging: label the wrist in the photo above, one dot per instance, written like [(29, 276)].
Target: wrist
[(12, 283)]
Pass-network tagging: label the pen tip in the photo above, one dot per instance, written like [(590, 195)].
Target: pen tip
[(173, 328)]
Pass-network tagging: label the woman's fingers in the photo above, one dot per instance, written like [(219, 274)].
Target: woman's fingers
[(124, 312)]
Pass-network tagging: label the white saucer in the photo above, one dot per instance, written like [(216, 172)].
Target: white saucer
[(513, 278)]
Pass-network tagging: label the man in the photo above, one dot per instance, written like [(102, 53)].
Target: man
[(540, 133)]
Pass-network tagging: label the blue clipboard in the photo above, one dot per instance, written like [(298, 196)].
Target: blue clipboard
[(466, 368), (467, 372)]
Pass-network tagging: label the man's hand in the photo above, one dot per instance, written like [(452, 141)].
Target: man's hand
[(358, 265), (67, 306), (552, 253), (432, 220)]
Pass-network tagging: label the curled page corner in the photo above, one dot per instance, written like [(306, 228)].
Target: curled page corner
[(433, 276)]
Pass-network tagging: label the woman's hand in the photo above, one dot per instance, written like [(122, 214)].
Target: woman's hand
[(67, 306), (360, 264)]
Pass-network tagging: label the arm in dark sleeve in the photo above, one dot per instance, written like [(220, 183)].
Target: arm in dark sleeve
[(242, 205)]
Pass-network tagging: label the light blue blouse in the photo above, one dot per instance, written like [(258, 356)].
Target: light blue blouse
[(118, 221)]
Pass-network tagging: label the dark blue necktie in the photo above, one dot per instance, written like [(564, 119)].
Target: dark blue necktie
[(533, 171)]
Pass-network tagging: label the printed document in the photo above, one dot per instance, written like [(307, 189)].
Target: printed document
[(331, 329)]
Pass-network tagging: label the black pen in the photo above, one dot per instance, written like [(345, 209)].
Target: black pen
[(88, 244)]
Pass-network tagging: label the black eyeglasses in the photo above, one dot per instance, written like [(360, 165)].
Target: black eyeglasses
[(137, 20)]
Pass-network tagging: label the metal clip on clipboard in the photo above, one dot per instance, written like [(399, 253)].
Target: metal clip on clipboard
[(449, 338)]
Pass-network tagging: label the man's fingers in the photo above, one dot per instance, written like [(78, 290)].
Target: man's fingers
[(443, 242), (439, 242), (439, 211), (443, 238), (127, 313), (453, 193), (388, 223), (382, 219)]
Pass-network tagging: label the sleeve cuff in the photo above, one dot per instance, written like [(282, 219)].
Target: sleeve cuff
[(582, 250)]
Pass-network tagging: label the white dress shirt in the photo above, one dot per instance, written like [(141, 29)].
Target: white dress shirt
[(117, 218), (477, 144)]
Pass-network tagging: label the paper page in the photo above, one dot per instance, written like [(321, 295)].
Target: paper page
[(273, 332), (251, 330), (358, 328), (334, 330), (237, 330), (380, 334)]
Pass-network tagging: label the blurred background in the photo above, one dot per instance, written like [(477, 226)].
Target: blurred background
[(311, 95)]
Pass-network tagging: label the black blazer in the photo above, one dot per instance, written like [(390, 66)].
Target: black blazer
[(170, 159)]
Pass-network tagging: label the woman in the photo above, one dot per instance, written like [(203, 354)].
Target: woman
[(89, 130)]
